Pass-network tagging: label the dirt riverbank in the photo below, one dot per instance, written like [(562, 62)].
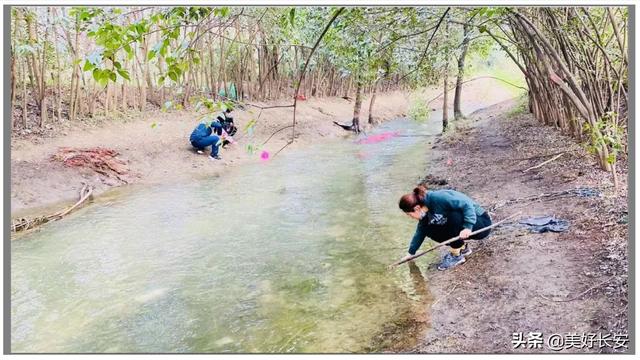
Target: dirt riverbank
[(156, 148), (574, 282)]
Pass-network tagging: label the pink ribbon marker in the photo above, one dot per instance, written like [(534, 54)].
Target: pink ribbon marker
[(264, 156), (378, 138)]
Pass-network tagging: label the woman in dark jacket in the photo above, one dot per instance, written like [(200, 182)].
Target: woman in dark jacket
[(442, 215)]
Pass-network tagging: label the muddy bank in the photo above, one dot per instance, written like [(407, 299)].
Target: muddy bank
[(517, 281)]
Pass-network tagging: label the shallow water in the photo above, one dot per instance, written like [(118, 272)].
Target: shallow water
[(288, 255)]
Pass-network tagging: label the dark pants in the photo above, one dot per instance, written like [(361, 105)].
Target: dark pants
[(202, 143), (482, 221)]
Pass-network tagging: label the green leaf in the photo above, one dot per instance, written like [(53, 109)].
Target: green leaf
[(173, 76), (111, 75), (292, 15), (151, 54), (87, 66), (221, 11), (250, 149), (97, 74), (140, 28), (250, 125), (124, 73), (154, 125)]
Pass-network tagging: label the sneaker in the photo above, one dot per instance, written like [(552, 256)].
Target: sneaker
[(200, 152), (466, 251), (216, 157), (450, 261)]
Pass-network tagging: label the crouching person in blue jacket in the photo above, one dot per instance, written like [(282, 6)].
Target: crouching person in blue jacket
[(203, 136), (442, 215)]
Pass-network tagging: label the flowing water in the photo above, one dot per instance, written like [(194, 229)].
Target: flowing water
[(287, 255)]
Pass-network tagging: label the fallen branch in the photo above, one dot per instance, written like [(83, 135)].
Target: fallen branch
[(85, 193), (282, 148), (275, 132), (575, 297), (25, 224), (446, 296), (453, 239), (543, 163), (540, 156), (555, 194)]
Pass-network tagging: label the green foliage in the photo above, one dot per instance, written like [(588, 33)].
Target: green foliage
[(116, 41), (606, 134), (522, 107), (365, 42), (252, 148), (418, 109)]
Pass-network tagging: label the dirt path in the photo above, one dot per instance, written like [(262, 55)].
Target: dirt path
[(517, 281)]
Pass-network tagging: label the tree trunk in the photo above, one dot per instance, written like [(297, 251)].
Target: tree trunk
[(75, 76), (188, 79), (59, 69), (13, 83), (107, 100), (124, 105), (221, 74), (457, 112), (372, 101), (43, 84), (24, 95), (142, 82), (357, 106), (445, 100)]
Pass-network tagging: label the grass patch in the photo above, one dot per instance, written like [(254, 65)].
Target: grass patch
[(418, 109), (522, 107)]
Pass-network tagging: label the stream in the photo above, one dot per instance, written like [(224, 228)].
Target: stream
[(287, 255)]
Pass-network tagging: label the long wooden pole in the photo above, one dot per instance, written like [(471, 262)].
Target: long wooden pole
[(452, 240)]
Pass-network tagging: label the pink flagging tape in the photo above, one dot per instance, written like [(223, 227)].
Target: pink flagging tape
[(372, 139)]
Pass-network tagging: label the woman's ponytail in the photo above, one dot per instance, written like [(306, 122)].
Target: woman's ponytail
[(408, 202), (420, 192)]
